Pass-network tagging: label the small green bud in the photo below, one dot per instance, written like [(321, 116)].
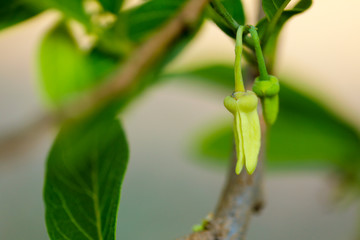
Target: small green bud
[(270, 109), (243, 105), (268, 91)]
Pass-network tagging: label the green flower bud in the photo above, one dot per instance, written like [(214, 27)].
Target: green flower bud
[(266, 88), (243, 105), (268, 91), (270, 109)]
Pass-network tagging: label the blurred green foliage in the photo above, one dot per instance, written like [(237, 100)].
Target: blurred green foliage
[(305, 134), (113, 6), (141, 21), (67, 70), (13, 12)]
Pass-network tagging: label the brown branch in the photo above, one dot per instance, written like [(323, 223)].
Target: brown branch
[(241, 197), (23, 136), (146, 56)]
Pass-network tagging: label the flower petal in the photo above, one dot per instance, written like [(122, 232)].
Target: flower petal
[(251, 136), (238, 143)]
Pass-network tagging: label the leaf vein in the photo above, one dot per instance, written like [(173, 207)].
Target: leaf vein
[(94, 177), (60, 231), (71, 217)]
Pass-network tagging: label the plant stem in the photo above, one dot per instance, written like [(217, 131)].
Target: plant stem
[(242, 195), (259, 55), (239, 83), (220, 9)]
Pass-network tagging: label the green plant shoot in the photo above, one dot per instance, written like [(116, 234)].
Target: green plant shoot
[(265, 86)]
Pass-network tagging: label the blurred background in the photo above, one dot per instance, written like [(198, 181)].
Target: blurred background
[(166, 190)]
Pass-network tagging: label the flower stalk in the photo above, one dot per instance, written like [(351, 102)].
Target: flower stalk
[(265, 86), (243, 105)]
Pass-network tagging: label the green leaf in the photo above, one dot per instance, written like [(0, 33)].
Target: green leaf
[(135, 25), (283, 16), (269, 31), (15, 11), (143, 20), (220, 22), (273, 25), (66, 70), (302, 6), (236, 10), (111, 5), (84, 173), (274, 8), (305, 133)]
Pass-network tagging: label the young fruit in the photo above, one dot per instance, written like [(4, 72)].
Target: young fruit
[(267, 91)]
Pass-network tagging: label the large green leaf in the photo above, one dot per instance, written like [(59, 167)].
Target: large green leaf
[(305, 132), (84, 173), (15, 11), (67, 70), (111, 5)]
